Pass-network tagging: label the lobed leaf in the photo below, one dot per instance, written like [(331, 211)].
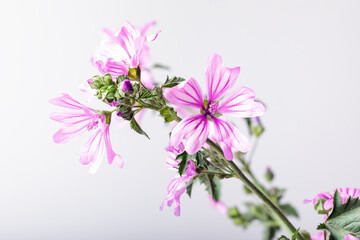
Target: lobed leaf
[(136, 127), (344, 218)]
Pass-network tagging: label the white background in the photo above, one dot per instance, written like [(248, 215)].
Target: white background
[(301, 57)]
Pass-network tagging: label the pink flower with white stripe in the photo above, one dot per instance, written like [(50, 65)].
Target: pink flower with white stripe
[(80, 120), (344, 193), (125, 48), (177, 187), (195, 129)]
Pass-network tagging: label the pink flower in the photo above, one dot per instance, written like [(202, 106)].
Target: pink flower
[(171, 161), (350, 237), (195, 129), (344, 193), (177, 187), (218, 205), (80, 120), (318, 236), (125, 48)]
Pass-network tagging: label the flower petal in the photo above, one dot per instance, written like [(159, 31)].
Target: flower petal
[(194, 130), (229, 135), (147, 79), (69, 132), (240, 103), (114, 68), (93, 150), (186, 94), (219, 79), (112, 156), (68, 102)]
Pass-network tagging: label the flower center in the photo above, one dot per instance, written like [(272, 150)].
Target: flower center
[(93, 124), (209, 108)]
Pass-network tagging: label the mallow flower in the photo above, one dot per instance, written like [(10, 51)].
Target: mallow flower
[(210, 120), (177, 187), (125, 48), (82, 119), (344, 193)]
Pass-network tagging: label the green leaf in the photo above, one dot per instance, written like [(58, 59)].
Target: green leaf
[(344, 218), (270, 232), (172, 82), (146, 94), (289, 210), (282, 237), (161, 66), (212, 185), (200, 162), (189, 187), (294, 236), (136, 127), (184, 162)]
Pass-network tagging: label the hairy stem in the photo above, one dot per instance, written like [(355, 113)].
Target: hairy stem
[(258, 192)]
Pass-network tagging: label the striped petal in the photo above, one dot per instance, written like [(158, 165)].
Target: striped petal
[(186, 94), (229, 137), (192, 131), (219, 79), (112, 156), (240, 103), (68, 102)]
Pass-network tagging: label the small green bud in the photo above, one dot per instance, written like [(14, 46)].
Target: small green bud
[(239, 221), (168, 113), (233, 212), (111, 88), (319, 206), (96, 78), (117, 95), (269, 175), (305, 234), (107, 79), (110, 96), (95, 84)]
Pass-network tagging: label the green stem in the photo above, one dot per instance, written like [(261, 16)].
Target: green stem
[(287, 224), (257, 192)]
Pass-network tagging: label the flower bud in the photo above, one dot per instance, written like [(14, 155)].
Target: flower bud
[(269, 175), (126, 86), (256, 126), (319, 206), (233, 212), (107, 79)]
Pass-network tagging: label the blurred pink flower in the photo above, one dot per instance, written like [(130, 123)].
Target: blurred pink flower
[(80, 120), (350, 237), (218, 205), (318, 236), (193, 130), (177, 187), (344, 193), (125, 48)]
